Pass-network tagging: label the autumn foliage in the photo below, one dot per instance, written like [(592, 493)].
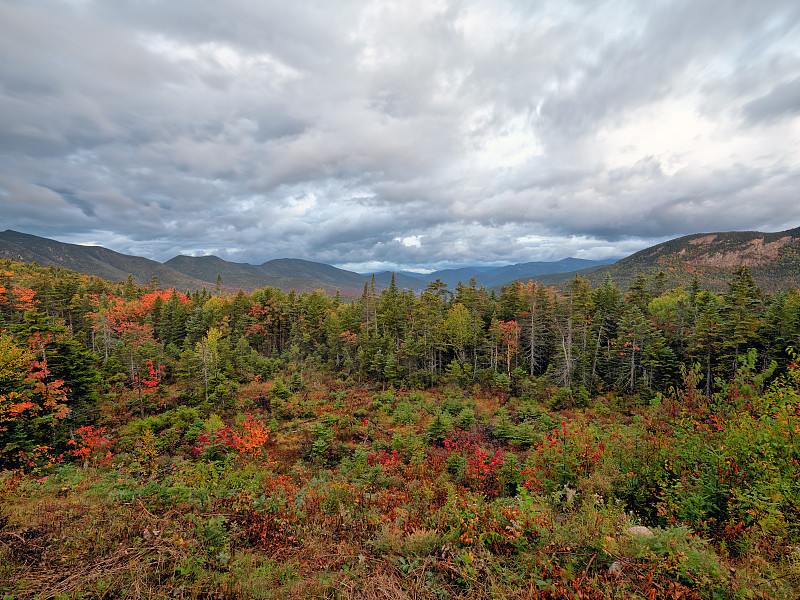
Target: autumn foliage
[(92, 445), (446, 444)]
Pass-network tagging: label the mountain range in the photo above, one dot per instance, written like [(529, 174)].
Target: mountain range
[(491, 277), (196, 272), (773, 259)]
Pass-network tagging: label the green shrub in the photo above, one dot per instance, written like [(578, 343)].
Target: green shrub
[(440, 427), (322, 436), (404, 413), (465, 418), (525, 435), (504, 429), (453, 403), (280, 391)]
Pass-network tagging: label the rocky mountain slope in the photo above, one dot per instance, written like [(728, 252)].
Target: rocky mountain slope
[(773, 260)]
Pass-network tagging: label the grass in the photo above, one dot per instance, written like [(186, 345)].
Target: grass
[(383, 510)]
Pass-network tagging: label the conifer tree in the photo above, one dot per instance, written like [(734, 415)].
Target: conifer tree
[(741, 318)]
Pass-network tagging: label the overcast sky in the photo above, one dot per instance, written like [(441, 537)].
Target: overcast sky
[(397, 134)]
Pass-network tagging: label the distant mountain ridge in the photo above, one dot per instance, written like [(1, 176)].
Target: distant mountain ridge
[(773, 259), (496, 276), (285, 273), (196, 272)]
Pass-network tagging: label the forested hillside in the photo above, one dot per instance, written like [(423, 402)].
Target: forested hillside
[(456, 443), (712, 258), (91, 260)]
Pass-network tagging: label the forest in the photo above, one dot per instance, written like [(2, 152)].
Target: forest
[(528, 442)]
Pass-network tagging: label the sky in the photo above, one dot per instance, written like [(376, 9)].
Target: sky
[(400, 134)]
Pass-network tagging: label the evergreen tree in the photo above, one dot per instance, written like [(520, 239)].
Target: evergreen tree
[(741, 318), (129, 290), (705, 339), (571, 325), (638, 294), (608, 306), (390, 314)]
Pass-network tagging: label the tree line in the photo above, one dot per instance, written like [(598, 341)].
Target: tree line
[(71, 345)]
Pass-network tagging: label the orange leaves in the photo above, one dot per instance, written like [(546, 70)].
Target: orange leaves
[(24, 385), (349, 338), (25, 393), (23, 298), (509, 333), (53, 393), (252, 438), (146, 302), (12, 411), (128, 316), (14, 364), (249, 440), (12, 407), (712, 424), (94, 445), (20, 298)]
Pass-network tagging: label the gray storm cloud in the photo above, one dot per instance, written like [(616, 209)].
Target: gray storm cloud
[(397, 134)]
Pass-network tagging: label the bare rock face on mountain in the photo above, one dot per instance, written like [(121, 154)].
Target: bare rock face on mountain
[(712, 258), (754, 253)]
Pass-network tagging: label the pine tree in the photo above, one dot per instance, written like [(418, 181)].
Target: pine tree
[(392, 371), (741, 314), (706, 338), (475, 301), (390, 314), (608, 305), (638, 294), (129, 290)]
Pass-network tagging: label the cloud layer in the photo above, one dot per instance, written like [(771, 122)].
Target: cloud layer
[(397, 134)]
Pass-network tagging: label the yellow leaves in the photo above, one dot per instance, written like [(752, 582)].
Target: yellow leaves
[(216, 306), (146, 452), (11, 410), (14, 363)]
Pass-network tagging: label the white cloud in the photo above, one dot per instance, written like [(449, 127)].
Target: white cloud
[(411, 241)]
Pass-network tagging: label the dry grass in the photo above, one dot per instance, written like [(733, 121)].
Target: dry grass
[(68, 545)]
